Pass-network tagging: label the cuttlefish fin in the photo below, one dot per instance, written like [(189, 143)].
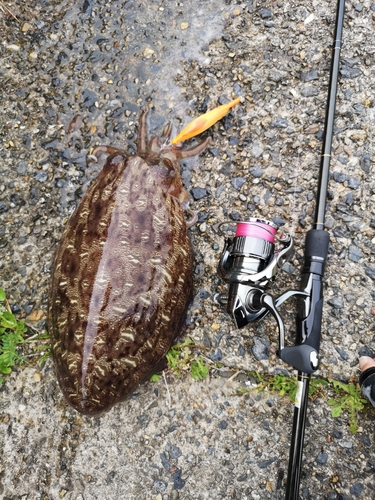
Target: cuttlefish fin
[(205, 121)]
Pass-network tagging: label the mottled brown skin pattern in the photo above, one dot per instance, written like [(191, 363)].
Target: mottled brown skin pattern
[(122, 276)]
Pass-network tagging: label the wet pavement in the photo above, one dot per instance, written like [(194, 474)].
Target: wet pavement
[(75, 75)]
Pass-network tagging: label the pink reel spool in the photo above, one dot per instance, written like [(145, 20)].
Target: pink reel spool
[(257, 228)]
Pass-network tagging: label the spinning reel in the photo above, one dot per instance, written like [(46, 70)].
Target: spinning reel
[(249, 263)]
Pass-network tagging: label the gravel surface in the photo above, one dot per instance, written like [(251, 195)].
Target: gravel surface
[(76, 74)]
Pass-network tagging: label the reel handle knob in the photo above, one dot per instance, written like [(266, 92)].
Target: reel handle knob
[(302, 357)]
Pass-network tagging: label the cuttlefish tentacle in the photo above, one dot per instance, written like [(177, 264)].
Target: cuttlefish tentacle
[(143, 132), (166, 133), (104, 150), (181, 154), (154, 145), (194, 218)]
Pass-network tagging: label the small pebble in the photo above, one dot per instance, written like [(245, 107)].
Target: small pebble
[(356, 489), (148, 52), (256, 171), (36, 315), (216, 356), (355, 253), (164, 461), (178, 482), (281, 122), (342, 353), (238, 182), (322, 458), (370, 272), (346, 444), (25, 27), (312, 129), (199, 193), (336, 302), (265, 463), (174, 451), (159, 486), (257, 151), (353, 183), (339, 176), (366, 441), (309, 76), (265, 13), (347, 72), (13, 47), (260, 348)]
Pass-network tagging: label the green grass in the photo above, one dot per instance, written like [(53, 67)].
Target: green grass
[(347, 397), (344, 397), (284, 385), (180, 358), (13, 339)]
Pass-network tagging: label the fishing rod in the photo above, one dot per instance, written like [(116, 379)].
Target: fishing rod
[(251, 260), (316, 251)]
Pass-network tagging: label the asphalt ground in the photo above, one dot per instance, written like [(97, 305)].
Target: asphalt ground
[(104, 61)]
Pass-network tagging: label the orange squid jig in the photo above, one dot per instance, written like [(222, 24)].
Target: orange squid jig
[(204, 122)]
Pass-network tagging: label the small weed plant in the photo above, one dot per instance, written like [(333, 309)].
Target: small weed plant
[(284, 385), (347, 397), (181, 359), (12, 336), (13, 339)]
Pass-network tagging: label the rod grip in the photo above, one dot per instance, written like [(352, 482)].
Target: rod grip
[(304, 355), (316, 251)]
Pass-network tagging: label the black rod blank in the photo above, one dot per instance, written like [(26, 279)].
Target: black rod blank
[(298, 434), (329, 119), (305, 333)]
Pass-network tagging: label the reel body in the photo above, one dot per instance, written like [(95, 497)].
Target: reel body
[(250, 261)]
